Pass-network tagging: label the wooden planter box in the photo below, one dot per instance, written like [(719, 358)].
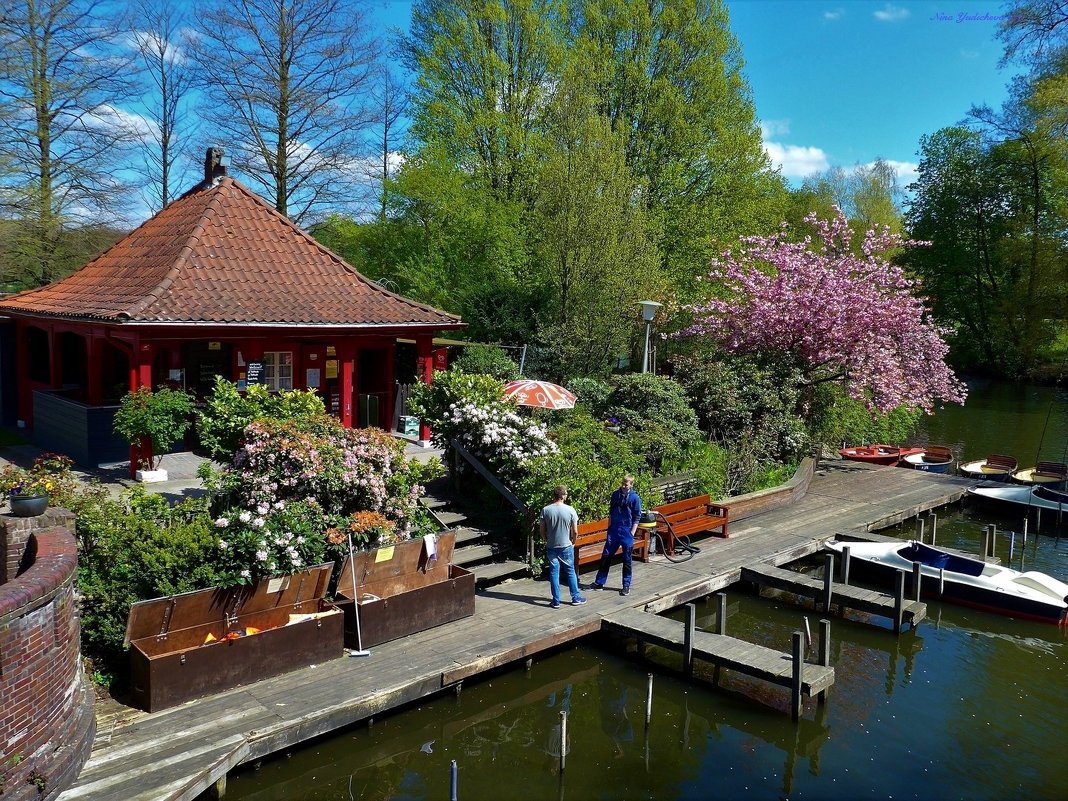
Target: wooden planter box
[(402, 591), (179, 646)]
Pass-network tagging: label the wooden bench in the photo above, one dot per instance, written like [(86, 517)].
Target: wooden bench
[(1057, 470), (999, 462), (589, 544), (690, 516)]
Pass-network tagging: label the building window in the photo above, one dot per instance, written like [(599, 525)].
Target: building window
[(278, 369)]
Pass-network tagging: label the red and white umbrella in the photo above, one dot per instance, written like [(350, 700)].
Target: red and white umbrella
[(541, 394)]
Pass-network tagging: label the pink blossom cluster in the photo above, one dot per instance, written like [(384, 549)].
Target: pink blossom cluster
[(858, 320)]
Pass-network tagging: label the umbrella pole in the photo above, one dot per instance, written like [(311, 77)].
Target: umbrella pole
[(359, 651)]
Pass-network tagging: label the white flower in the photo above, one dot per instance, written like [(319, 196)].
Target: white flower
[(222, 522), (245, 516), (223, 544)]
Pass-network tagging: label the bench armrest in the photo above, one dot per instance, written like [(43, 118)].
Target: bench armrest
[(717, 510)]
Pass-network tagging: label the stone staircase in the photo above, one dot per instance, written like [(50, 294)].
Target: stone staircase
[(481, 537)]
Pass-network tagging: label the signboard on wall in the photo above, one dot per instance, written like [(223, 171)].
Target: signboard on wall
[(254, 372)]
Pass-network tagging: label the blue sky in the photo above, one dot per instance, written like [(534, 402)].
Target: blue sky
[(843, 82)]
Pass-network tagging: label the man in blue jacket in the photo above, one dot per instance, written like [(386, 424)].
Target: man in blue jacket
[(624, 513)]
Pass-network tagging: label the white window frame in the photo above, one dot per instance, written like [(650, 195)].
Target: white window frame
[(278, 369)]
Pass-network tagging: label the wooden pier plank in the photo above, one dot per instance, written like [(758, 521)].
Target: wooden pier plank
[(511, 622), (842, 595), (729, 652)]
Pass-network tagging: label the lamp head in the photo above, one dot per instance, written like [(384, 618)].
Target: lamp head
[(649, 308)]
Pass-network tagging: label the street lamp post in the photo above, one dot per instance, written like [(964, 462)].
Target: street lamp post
[(649, 308)]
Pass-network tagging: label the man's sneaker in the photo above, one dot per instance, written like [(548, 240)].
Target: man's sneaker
[(554, 605), (578, 602), (596, 586), (625, 591)]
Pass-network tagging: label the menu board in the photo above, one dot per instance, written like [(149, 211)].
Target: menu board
[(254, 372)]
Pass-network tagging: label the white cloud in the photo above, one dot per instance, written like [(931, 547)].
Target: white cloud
[(834, 15), (796, 161), (891, 13), (770, 128)]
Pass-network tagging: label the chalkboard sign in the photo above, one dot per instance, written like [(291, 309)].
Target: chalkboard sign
[(254, 372)]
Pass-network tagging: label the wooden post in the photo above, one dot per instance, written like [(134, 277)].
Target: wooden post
[(934, 527), (1025, 532), (845, 565), (795, 701), (563, 739), (917, 579), (649, 701), (218, 789), (808, 635), (828, 581), (688, 635), (899, 602), (825, 642), (1038, 518), (1012, 545), (985, 545), (941, 581), (919, 528), (992, 542), (721, 613)]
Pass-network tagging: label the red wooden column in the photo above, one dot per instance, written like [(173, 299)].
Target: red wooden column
[(141, 358), (346, 364), (424, 369), (94, 392)]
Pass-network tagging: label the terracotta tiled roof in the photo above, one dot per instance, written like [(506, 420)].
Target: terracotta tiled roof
[(222, 255)]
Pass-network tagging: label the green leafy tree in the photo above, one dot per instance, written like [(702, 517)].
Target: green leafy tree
[(487, 360), (160, 417), (596, 241)]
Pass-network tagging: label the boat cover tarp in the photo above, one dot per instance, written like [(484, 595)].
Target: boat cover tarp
[(932, 557)]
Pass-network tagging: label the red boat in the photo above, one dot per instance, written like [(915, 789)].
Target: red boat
[(877, 454)]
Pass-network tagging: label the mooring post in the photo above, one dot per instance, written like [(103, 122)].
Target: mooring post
[(688, 634), (941, 581), (721, 613), (919, 528), (649, 701), (917, 579), (808, 635), (1025, 532), (985, 544), (529, 663), (452, 781), (934, 527), (563, 739), (795, 705), (993, 540), (218, 789), (1012, 545), (1038, 518), (845, 565), (825, 642), (899, 602), (828, 581)]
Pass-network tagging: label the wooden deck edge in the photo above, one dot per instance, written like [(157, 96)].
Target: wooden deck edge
[(213, 773), (517, 652), (288, 733), (753, 503)]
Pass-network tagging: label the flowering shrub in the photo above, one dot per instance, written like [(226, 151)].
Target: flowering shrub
[(499, 437), (294, 485)]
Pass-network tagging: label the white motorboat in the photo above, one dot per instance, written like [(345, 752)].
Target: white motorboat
[(971, 582), (1030, 496)]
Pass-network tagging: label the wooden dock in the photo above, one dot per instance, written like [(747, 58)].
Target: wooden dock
[(721, 650), (181, 752), (843, 596)]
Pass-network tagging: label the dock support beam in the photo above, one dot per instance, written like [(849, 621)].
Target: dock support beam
[(899, 602), (917, 580), (828, 581), (825, 651), (934, 527), (798, 654), (845, 565), (218, 789), (687, 648), (919, 528)]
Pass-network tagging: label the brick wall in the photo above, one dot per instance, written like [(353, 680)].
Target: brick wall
[(46, 714)]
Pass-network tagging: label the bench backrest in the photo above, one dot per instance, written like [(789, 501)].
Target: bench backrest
[(686, 508), (938, 453), (998, 460), (593, 529), (1051, 469)]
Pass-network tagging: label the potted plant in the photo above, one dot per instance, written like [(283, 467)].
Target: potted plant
[(28, 490), (150, 422)]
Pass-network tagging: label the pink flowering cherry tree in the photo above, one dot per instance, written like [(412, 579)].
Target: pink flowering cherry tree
[(855, 320)]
